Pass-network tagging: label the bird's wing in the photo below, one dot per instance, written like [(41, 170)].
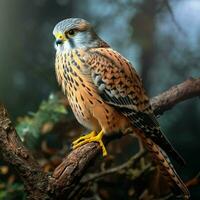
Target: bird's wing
[(119, 85)]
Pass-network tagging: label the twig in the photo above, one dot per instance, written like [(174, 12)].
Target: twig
[(166, 197), (194, 181), (190, 183), (131, 162), (168, 6)]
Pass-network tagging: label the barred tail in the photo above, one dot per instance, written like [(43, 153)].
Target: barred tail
[(166, 167), (169, 149)]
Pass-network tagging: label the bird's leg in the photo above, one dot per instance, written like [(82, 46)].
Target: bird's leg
[(98, 139), (84, 137), (94, 138)]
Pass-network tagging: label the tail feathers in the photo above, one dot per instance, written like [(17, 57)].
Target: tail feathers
[(169, 149), (166, 167)]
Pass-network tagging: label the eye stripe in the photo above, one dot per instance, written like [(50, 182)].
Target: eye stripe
[(71, 42)]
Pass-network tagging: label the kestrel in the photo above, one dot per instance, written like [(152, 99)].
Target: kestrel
[(106, 94)]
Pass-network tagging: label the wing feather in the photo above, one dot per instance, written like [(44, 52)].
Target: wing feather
[(119, 85)]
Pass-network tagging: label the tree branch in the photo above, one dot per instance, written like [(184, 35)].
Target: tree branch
[(15, 153), (176, 94), (69, 172), (40, 185)]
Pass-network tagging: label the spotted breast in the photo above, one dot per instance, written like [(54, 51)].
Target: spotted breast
[(88, 107)]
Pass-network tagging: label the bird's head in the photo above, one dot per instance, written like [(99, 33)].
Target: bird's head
[(74, 33)]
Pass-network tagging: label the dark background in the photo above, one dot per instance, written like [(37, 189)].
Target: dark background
[(161, 38)]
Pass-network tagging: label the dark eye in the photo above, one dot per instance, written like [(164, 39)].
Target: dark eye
[(71, 33)]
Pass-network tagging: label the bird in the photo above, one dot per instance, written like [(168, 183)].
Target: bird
[(107, 95)]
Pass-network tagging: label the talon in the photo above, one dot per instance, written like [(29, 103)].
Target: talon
[(91, 137), (81, 143), (91, 134)]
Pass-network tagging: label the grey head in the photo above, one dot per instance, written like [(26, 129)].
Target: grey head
[(74, 33)]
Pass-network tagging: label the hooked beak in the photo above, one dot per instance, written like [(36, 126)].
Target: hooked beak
[(58, 42), (60, 38)]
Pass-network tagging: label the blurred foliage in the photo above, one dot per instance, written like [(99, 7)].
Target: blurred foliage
[(49, 113), (12, 192)]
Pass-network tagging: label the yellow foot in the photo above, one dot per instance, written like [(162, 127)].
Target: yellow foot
[(84, 137), (91, 137)]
